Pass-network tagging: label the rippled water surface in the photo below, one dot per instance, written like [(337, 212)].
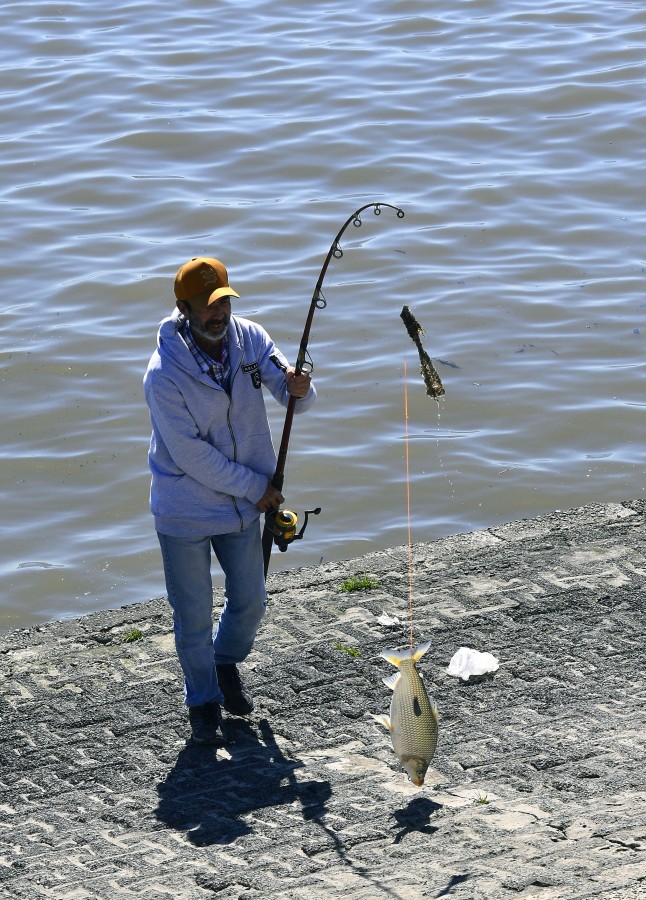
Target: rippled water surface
[(139, 134)]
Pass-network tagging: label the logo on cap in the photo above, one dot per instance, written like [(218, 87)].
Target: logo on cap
[(208, 276)]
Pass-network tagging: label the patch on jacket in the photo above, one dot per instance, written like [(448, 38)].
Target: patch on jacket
[(278, 363), (253, 370)]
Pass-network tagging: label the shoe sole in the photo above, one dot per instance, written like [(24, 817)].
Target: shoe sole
[(209, 742)]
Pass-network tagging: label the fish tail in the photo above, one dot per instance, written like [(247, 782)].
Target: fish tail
[(396, 657), (420, 650)]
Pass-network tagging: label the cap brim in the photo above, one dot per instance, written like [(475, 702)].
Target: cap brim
[(221, 292)]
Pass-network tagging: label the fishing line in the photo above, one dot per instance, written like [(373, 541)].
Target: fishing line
[(410, 550), (434, 389)]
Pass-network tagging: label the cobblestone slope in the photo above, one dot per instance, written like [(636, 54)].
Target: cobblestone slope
[(537, 789)]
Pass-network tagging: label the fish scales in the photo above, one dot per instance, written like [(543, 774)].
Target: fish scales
[(413, 720), (411, 714)]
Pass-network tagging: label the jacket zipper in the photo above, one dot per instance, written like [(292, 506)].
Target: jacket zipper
[(233, 441)]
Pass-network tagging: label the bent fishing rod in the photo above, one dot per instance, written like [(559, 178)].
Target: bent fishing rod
[(280, 525)]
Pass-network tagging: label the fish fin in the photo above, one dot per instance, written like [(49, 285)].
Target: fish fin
[(383, 720), (396, 657), (434, 712), (391, 680)]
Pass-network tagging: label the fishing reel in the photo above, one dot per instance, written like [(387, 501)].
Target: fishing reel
[(285, 522)]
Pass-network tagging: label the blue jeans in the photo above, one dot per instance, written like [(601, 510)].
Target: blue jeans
[(187, 568)]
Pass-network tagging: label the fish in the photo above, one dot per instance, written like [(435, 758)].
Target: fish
[(413, 720)]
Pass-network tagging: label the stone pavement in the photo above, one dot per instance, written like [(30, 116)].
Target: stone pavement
[(537, 789)]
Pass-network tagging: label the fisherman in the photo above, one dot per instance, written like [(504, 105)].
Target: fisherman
[(212, 460)]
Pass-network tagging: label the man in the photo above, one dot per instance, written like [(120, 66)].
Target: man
[(212, 459)]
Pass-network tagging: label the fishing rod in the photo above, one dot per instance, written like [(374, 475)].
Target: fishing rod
[(280, 525)]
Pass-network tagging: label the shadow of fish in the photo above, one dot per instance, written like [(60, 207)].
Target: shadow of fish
[(413, 720)]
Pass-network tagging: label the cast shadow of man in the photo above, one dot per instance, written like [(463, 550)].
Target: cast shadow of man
[(209, 793)]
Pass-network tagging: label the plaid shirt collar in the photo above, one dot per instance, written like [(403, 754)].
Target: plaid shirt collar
[(218, 371)]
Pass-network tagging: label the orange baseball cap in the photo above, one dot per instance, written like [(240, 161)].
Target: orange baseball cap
[(200, 275)]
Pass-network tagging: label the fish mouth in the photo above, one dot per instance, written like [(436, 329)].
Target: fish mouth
[(415, 769)]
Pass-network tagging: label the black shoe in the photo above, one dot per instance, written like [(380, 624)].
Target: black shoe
[(206, 723), (237, 700)]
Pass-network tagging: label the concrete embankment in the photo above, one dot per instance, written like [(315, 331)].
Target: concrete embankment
[(537, 789)]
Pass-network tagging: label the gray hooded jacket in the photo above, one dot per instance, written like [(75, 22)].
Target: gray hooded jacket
[(211, 454)]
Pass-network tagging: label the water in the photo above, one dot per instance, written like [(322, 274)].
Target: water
[(138, 135)]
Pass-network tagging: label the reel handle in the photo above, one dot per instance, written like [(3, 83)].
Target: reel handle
[(285, 522)]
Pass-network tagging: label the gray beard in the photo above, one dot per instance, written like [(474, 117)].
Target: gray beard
[(209, 337)]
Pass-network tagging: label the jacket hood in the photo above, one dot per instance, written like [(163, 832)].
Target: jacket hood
[(172, 346)]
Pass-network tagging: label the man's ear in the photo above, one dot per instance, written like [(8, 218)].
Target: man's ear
[(183, 307)]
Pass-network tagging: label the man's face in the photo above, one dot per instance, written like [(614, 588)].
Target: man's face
[(209, 322)]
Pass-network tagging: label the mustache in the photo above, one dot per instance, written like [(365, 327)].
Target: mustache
[(217, 324)]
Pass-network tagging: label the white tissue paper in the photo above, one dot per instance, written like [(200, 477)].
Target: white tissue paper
[(466, 662)]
